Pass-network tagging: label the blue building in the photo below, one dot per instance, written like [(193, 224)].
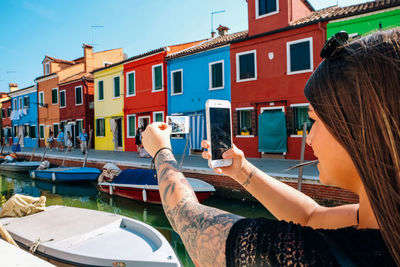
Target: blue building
[(194, 75), (24, 116)]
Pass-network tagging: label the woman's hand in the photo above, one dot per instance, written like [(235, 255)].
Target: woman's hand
[(234, 153), (156, 136)]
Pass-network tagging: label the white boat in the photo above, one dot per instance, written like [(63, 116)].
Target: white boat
[(86, 237)]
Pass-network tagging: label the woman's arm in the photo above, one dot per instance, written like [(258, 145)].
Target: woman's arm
[(203, 229), (282, 200)]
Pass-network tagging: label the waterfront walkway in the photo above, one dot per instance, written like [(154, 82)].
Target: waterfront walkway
[(191, 163)]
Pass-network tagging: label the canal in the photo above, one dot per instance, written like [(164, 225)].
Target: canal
[(87, 196)]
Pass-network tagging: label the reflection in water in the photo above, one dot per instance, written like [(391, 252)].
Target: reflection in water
[(85, 195)]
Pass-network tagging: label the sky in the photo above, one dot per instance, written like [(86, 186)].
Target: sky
[(29, 30)]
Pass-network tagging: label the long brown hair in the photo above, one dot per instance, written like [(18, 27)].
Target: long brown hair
[(356, 93)]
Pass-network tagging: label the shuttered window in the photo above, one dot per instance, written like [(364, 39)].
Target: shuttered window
[(131, 83), (157, 78), (32, 131), (116, 87), (78, 95), (26, 101), (300, 57), (300, 115), (62, 99), (216, 75), (131, 125), (54, 96), (41, 131), (41, 99), (177, 82), (246, 65), (267, 6), (55, 130), (101, 90), (100, 127), (3, 113)]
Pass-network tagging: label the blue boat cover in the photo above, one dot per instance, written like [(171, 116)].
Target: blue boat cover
[(137, 176)]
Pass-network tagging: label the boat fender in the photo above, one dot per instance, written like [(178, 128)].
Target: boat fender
[(144, 194), (111, 189), (33, 175), (53, 176)]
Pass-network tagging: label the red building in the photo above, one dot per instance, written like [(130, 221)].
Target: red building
[(145, 97), (6, 126)]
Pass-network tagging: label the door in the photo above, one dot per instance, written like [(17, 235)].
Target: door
[(70, 127), (144, 121), (118, 121), (272, 134)]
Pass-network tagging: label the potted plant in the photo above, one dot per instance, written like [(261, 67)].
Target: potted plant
[(244, 131)]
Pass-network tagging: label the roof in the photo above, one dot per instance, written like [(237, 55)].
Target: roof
[(209, 44), (77, 77), (336, 12), (44, 76), (59, 60)]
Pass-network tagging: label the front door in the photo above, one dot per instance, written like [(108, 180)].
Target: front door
[(272, 134), (118, 121)]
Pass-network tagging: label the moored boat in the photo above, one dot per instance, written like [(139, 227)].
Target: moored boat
[(86, 237), (142, 185), (21, 166), (66, 174)]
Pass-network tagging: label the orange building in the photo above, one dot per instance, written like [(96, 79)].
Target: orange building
[(58, 71)]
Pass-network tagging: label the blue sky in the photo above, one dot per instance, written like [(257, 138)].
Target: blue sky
[(32, 29)]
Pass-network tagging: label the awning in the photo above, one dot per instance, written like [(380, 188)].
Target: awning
[(272, 134), (197, 132)]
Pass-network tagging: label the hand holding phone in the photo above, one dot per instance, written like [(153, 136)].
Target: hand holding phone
[(219, 131)]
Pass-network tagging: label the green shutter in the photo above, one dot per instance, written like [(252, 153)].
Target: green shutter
[(32, 131), (102, 122), (131, 81), (55, 130), (300, 56), (159, 117), (177, 82), (41, 131), (62, 99), (217, 75), (97, 127), (132, 120), (101, 90), (158, 78), (116, 87), (78, 95), (41, 100), (54, 96)]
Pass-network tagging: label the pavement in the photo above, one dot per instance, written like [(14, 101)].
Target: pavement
[(191, 163)]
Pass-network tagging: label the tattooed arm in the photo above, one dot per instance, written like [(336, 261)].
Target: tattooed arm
[(283, 201), (203, 229)]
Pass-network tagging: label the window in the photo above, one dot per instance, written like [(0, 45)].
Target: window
[(8, 112), (177, 82), (116, 87), (62, 99), (299, 56), (41, 131), (15, 131), (100, 127), (79, 126), (246, 66), (100, 88), (266, 7), (131, 125), (41, 99), (157, 77), (54, 96), (26, 130), (3, 113), (78, 95), (20, 103), (244, 121), (300, 115), (32, 131), (15, 104), (56, 128), (46, 68), (26, 101), (216, 75), (130, 84), (158, 116)]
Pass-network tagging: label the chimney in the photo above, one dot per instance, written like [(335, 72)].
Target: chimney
[(212, 34), (88, 57), (13, 87), (222, 30)]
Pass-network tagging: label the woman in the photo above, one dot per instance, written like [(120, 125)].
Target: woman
[(69, 141), (354, 100)]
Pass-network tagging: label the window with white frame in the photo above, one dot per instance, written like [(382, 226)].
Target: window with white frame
[(100, 127), (100, 90), (20, 103), (41, 99), (131, 125), (299, 56), (26, 130), (117, 92), (177, 82), (130, 83), (54, 96), (3, 113), (158, 116), (78, 96), (266, 7), (41, 131), (216, 75), (46, 68), (157, 77), (62, 99), (246, 66), (56, 128), (26, 101), (244, 121), (32, 131), (300, 115), (8, 112), (15, 104)]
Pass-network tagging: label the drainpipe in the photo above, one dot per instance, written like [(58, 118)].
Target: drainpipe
[(85, 93)]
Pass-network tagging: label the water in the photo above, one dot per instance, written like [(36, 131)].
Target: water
[(87, 196)]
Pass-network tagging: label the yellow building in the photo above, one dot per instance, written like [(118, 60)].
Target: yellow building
[(108, 107)]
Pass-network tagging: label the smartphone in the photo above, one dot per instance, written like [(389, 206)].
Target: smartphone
[(219, 131)]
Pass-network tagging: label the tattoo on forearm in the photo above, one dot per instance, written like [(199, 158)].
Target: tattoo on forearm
[(248, 179)]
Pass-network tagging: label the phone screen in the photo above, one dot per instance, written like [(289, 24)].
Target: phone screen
[(220, 128)]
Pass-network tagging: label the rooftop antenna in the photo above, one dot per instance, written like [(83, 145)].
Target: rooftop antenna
[(212, 19), (92, 28)]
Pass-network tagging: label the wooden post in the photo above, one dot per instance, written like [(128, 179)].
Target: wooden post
[(2, 147), (303, 146), (34, 149), (44, 153), (15, 149), (87, 148)]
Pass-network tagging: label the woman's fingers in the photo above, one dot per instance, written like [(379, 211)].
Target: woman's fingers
[(205, 144), (206, 154)]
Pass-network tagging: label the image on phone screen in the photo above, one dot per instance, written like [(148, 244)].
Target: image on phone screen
[(220, 129)]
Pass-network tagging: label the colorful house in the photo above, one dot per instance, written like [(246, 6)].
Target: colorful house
[(269, 69), (24, 116), (58, 71), (6, 132), (108, 107), (145, 94), (194, 75)]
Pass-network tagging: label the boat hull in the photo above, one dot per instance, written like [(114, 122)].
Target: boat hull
[(23, 166), (71, 174)]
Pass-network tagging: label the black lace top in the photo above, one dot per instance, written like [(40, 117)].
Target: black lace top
[(263, 242)]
